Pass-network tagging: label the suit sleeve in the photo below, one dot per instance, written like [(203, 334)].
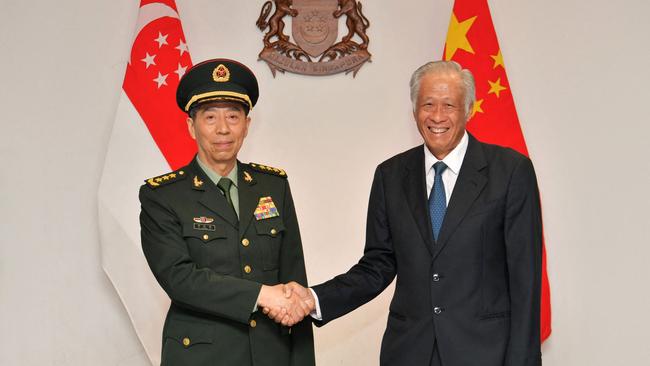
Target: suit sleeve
[(292, 268), (523, 238), (374, 271), (198, 289)]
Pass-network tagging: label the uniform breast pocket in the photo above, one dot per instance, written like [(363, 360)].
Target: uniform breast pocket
[(270, 233), (209, 246)]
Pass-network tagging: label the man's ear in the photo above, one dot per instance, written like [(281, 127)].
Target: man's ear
[(190, 127), (248, 123)]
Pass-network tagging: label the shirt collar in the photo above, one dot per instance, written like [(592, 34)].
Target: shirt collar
[(214, 176), (453, 160)]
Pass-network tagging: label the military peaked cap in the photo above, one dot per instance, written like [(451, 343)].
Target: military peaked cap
[(218, 79)]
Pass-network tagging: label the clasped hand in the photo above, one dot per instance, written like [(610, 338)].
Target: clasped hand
[(286, 303)]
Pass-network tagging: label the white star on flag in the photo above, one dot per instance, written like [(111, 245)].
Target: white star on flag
[(161, 39), (149, 60), (161, 79), (182, 47), (180, 71)]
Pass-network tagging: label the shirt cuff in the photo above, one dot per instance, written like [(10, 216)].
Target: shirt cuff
[(256, 301), (316, 314)]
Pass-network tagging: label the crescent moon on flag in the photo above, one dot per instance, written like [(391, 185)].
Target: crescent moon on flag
[(152, 12)]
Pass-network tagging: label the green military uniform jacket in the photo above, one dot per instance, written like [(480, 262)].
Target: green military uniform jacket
[(212, 266)]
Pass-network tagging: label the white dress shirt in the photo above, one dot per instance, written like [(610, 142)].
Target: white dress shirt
[(453, 160)]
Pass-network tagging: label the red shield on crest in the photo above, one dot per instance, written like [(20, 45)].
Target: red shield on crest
[(315, 29)]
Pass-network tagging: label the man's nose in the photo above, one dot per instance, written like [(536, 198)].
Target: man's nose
[(438, 114), (222, 126)]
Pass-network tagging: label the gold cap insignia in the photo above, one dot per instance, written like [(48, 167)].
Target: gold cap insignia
[(221, 74)]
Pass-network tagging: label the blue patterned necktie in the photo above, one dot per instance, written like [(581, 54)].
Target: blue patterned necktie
[(437, 200)]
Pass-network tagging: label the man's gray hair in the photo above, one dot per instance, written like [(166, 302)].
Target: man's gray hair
[(445, 67)]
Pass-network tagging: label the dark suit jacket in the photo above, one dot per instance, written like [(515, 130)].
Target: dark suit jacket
[(198, 252), (483, 275)]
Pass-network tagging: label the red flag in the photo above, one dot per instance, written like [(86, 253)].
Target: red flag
[(159, 58), (149, 137), (472, 42)]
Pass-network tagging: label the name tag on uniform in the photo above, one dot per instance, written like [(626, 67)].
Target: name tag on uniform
[(266, 209), (205, 227)]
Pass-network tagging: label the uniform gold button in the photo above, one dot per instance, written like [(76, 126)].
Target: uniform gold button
[(253, 323), (181, 172), (248, 269), (273, 231), (206, 237), (245, 242), (186, 342)]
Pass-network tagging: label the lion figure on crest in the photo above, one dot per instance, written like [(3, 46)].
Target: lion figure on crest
[(282, 8), (356, 21)]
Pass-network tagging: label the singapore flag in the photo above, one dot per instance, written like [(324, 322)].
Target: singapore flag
[(149, 138)]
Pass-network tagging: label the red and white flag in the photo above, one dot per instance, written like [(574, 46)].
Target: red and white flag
[(149, 138), (472, 42)]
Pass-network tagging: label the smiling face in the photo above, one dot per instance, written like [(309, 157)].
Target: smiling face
[(440, 113), (219, 130)]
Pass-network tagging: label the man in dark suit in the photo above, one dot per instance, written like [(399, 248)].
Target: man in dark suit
[(458, 223), (221, 237)]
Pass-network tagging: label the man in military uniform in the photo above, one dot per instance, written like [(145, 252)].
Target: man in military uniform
[(221, 236)]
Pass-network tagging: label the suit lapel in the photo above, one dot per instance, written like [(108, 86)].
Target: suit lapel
[(211, 196), (414, 184), (249, 197), (471, 181)]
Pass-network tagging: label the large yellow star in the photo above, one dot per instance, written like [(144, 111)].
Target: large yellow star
[(498, 60), (477, 107), (457, 36), (496, 87)]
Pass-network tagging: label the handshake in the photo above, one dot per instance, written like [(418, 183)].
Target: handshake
[(286, 303)]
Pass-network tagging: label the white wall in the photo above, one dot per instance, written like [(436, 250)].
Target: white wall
[(579, 74)]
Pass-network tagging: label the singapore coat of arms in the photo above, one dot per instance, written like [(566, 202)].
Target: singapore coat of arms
[(314, 28)]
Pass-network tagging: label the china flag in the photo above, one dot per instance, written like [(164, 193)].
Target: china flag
[(149, 138), (472, 42)]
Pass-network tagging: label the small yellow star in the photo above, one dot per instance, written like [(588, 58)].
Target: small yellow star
[(173, 175), (498, 60), (457, 36), (496, 87), (477, 107), (159, 180)]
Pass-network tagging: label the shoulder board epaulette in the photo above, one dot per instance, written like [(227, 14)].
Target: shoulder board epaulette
[(268, 170), (165, 179)]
